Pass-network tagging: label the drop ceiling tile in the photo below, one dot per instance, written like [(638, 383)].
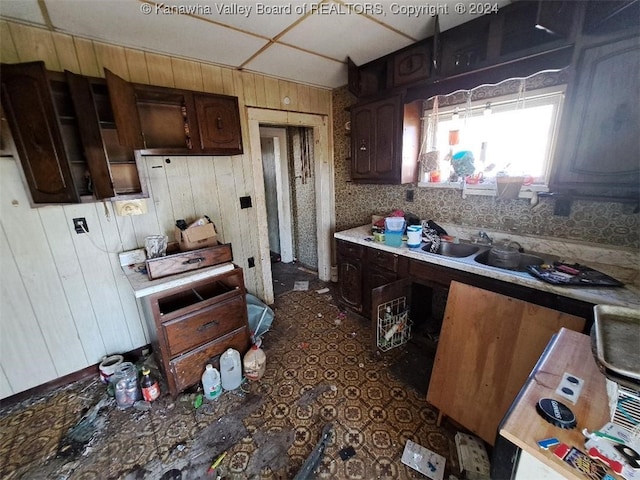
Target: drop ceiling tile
[(267, 18), (285, 62), (126, 23), (350, 35), (25, 10)]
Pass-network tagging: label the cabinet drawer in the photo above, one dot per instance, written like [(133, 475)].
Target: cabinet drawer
[(202, 326), (187, 369), (350, 249), (383, 259)]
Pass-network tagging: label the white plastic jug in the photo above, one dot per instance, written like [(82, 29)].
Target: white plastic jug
[(255, 363), (230, 369), (211, 383)]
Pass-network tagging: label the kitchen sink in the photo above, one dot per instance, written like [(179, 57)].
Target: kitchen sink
[(453, 249), (525, 259)]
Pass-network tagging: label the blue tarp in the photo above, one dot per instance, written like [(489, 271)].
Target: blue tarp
[(260, 316)]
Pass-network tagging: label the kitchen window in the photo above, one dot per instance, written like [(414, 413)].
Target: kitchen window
[(483, 138)]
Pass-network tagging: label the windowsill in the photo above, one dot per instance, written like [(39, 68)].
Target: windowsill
[(485, 189)]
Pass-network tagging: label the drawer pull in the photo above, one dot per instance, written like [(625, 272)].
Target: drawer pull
[(207, 325), (193, 260)]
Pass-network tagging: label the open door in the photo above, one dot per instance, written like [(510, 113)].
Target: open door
[(390, 314)]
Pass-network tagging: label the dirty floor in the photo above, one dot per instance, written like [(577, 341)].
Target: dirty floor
[(320, 370)]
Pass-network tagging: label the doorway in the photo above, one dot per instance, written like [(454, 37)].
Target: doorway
[(288, 166), (275, 165), (323, 197)]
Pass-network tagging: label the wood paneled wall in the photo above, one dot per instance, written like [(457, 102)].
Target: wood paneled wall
[(64, 300)]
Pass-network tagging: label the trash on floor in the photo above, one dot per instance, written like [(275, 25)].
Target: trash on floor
[(346, 453), (79, 436), (260, 316), (423, 460), (301, 285), (313, 460), (322, 290), (474, 461)]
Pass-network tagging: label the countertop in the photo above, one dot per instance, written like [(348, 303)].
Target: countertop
[(627, 296), (142, 286), (570, 352)]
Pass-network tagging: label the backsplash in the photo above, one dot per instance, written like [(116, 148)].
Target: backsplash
[(607, 223)]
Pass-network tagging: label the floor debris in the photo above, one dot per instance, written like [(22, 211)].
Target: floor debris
[(301, 286)]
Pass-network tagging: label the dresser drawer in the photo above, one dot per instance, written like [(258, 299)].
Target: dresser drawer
[(199, 327), (186, 370), (350, 249), (383, 259)]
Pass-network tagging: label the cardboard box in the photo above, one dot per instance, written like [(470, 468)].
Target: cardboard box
[(197, 237)]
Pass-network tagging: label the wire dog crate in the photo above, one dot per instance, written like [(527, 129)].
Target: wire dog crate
[(394, 324)]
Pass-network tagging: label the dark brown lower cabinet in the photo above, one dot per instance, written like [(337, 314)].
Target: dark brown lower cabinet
[(193, 324), (350, 257)]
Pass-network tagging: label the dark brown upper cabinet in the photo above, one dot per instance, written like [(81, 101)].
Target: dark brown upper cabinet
[(28, 104), (64, 134), (385, 141), (160, 120), (597, 153)]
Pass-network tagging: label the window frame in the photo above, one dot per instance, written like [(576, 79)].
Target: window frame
[(539, 96)]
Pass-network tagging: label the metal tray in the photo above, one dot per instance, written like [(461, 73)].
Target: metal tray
[(617, 335)]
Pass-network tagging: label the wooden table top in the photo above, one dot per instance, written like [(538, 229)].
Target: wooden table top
[(570, 352)]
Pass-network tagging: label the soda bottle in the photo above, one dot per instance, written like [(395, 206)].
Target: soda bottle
[(150, 387)]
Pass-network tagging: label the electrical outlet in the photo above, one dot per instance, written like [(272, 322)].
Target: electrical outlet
[(570, 387), (251, 262), (80, 224), (562, 207), (408, 195)]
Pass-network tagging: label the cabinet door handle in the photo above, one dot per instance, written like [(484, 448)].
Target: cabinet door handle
[(193, 260), (207, 325), (219, 122)]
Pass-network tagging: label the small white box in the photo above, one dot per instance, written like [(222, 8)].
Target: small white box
[(474, 461)]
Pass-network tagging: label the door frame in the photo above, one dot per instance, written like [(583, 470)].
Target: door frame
[(285, 225), (323, 181)]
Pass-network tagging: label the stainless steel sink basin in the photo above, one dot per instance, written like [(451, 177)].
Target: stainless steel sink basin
[(525, 259), (454, 249)]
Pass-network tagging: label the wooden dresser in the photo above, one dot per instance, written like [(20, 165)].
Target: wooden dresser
[(192, 324)]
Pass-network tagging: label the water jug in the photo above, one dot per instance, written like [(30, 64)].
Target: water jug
[(393, 231), (211, 383), (230, 369), (255, 363)]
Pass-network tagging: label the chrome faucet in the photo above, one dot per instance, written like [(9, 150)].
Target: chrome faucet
[(484, 238)]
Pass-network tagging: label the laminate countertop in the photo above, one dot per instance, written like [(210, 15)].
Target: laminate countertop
[(627, 296), (142, 286)]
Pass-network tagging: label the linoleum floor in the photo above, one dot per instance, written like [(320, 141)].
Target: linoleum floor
[(321, 369)]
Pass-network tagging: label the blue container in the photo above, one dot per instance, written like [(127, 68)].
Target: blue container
[(393, 231), (393, 239)]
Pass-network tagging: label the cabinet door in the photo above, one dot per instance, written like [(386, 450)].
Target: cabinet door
[(350, 275), (598, 145), (412, 64), (123, 103), (30, 110), (218, 124), (90, 136), (488, 345), (375, 140)]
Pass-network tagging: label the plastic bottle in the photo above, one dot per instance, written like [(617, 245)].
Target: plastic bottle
[(211, 383), (150, 387), (255, 363), (230, 369)]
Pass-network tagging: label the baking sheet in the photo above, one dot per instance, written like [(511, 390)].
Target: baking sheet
[(617, 331), (572, 274)]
